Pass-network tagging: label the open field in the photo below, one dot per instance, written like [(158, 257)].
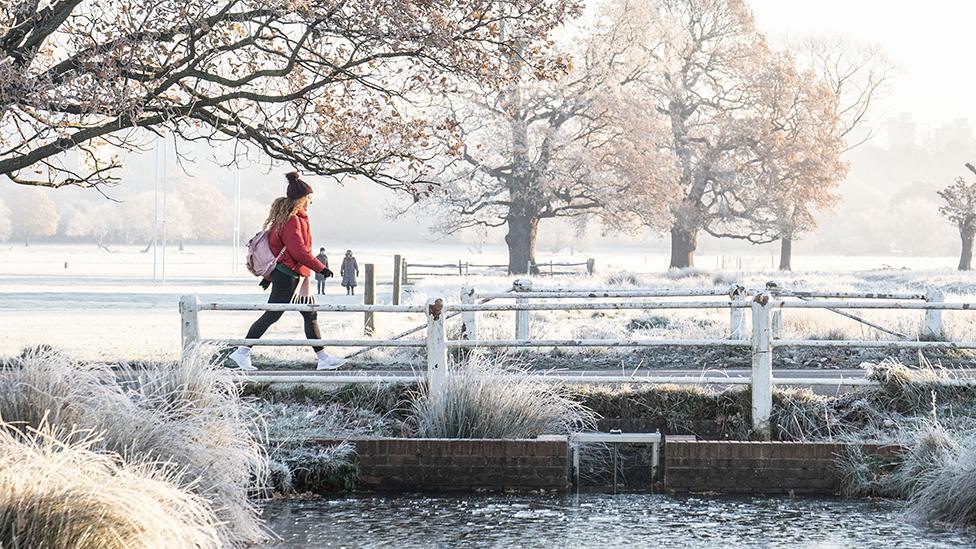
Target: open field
[(99, 305)]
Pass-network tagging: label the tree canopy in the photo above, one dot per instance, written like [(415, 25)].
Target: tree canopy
[(328, 87)]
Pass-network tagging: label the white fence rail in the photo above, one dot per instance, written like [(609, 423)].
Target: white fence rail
[(762, 306)]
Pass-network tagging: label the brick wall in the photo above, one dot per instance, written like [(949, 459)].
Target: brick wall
[(758, 467), (403, 464)]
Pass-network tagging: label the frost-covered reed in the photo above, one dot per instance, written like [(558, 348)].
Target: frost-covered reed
[(189, 416), (485, 400), (74, 496), (939, 476), (936, 475), (891, 411)]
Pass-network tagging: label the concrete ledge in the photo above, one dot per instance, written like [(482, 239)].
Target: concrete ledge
[(405, 464), (760, 467)]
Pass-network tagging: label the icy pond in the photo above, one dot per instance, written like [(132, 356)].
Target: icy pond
[(599, 520)]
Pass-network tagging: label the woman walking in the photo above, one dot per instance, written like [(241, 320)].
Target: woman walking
[(319, 277), (290, 240), (349, 271)]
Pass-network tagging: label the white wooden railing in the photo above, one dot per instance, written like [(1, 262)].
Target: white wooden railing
[(763, 307)]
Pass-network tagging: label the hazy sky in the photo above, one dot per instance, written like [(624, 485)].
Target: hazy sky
[(930, 43)]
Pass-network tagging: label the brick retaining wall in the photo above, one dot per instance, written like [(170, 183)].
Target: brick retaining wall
[(759, 467), (403, 464)]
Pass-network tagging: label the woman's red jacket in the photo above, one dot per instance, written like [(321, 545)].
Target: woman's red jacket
[(296, 238)]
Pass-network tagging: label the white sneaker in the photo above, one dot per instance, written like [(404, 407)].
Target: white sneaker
[(242, 357), (328, 362)]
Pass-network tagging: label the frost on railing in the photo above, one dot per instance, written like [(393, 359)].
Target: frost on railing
[(761, 333)]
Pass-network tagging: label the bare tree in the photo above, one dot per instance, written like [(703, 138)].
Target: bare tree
[(208, 210), (855, 78), (325, 86), (542, 149), (753, 134), (99, 222), (33, 214), (960, 209), (792, 161), (694, 71)]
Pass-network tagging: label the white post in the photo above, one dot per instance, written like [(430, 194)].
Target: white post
[(932, 327), (436, 346), (762, 367), (776, 321), (737, 318), (190, 321), (776, 324), (522, 317), (469, 319)]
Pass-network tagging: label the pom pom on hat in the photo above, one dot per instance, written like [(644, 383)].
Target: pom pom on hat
[(296, 187)]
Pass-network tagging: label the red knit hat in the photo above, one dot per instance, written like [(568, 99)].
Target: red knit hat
[(296, 187)]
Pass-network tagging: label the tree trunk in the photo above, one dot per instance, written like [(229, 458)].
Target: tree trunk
[(684, 241), (786, 253), (520, 239), (148, 247), (966, 257)]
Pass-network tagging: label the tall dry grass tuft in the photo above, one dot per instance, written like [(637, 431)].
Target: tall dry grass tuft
[(189, 415), (483, 400), (893, 411), (940, 478), (937, 475), (59, 494), (934, 446)]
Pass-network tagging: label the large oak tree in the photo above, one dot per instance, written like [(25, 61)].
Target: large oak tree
[(756, 136), (572, 146), (854, 77), (325, 86)]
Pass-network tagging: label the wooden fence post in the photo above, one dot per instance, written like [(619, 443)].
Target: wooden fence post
[(932, 327), (762, 367), (737, 316), (436, 347), (369, 298), (590, 266), (522, 317), (397, 278), (189, 322), (403, 271)]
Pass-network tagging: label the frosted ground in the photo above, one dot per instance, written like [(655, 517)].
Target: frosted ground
[(99, 305)]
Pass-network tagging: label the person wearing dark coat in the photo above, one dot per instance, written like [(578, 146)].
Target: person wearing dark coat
[(319, 277), (349, 271)]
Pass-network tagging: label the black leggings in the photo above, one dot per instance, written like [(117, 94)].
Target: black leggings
[(282, 289)]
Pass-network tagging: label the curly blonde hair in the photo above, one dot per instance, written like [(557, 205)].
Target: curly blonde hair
[(282, 209)]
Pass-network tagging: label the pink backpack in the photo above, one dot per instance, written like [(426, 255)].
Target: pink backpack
[(260, 260)]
